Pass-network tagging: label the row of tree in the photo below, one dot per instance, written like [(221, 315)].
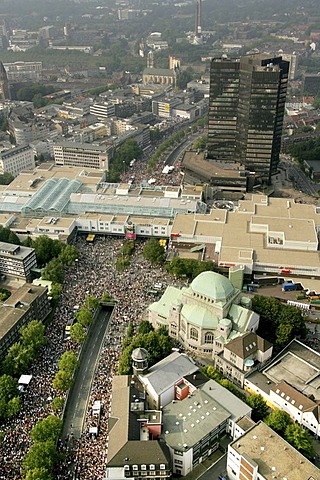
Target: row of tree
[(156, 342), (43, 455), (122, 158), (279, 323), (67, 364), (124, 257), (278, 420), (165, 147)]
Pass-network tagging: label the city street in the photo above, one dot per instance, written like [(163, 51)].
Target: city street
[(80, 392)]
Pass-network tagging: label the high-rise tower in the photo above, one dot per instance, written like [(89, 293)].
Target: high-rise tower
[(4, 84), (246, 109)]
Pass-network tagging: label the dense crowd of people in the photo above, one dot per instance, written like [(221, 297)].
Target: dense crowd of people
[(93, 274)]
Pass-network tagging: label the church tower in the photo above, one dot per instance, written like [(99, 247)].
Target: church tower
[(139, 361)]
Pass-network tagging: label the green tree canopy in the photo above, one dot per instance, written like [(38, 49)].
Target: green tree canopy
[(68, 255), (153, 251), (49, 428), (39, 474), (42, 455), (300, 439), (68, 361), (53, 271), (6, 178), (9, 396), (156, 342), (33, 335), (7, 236), (62, 381), (77, 333), (57, 404), (278, 421), (46, 249), (188, 267), (84, 316), (145, 327), (278, 323), (259, 407)]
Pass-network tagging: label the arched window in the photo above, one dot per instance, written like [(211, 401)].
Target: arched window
[(193, 334), (208, 338), (183, 326)]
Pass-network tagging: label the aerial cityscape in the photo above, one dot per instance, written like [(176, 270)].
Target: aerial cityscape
[(159, 240)]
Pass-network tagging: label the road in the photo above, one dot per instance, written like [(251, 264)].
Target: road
[(80, 391), (215, 471), (300, 179)]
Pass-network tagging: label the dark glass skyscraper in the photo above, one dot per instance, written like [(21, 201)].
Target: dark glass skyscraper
[(4, 84), (246, 108)]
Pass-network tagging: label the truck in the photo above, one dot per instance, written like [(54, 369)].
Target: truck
[(288, 286)]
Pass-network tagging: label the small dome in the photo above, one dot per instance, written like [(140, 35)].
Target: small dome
[(226, 322), (212, 285), (139, 354)]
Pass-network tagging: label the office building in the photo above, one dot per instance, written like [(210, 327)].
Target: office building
[(23, 71), (16, 159), (81, 155), (16, 260), (246, 108)]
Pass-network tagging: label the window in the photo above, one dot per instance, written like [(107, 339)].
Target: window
[(143, 467), (162, 466), (152, 467), (208, 338), (193, 334), (135, 467)]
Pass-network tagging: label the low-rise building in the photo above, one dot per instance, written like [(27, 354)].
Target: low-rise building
[(16, 159), (261, 454), (29, 302)]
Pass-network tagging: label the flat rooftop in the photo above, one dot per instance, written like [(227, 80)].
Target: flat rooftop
[(274, 457)]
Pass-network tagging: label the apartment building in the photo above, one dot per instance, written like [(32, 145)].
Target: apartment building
[(16, 159)]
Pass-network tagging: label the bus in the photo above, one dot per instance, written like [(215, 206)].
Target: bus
[(90, 238)]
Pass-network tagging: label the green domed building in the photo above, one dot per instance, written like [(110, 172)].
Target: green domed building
[(205, 315)]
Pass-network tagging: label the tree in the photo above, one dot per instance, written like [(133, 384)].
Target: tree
[(49, 428), (92, 303), (39, 474), (32, 335), (57, 404), (210, 372), (46, 249), (55, 292), (68, 361), (18, 359), (278, 421), (77, 333), (259, 407), (68, 255), (8, 392), (145, 327), (300, 439), (42, 455), (7, 236), (84, 316), (53, 271), (6, 178), (62, 381), (232, 388), (153, 251)]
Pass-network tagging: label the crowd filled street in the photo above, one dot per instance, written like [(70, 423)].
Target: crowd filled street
[(93, 274)]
